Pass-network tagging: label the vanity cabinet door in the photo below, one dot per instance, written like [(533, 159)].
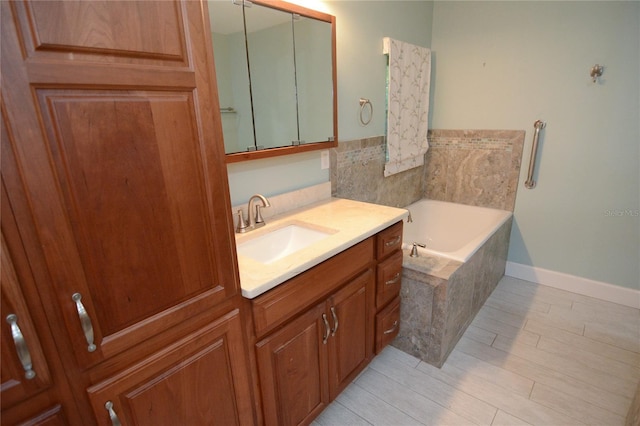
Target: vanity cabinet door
[(351, 340), (292, 365), (308, 362), (201, 379)]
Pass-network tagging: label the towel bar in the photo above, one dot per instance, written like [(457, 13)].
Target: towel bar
[(538, 125)]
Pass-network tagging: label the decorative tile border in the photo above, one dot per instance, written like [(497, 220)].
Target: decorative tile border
[(472, 143), (360, 153)]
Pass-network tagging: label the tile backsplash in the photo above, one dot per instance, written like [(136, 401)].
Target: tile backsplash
[(357, 173), (477, 167), (289, 201)]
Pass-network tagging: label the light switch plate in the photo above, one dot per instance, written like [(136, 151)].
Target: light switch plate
[(324, 160)]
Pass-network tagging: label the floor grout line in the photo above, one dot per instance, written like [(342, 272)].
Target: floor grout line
[(491, 364)]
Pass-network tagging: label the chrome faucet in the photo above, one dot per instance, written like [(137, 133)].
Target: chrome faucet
[(255, 220)]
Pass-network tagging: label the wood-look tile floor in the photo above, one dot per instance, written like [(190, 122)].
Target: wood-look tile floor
[(533, 355)]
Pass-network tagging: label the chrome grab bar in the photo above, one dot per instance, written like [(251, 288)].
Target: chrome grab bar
[(538, 125)]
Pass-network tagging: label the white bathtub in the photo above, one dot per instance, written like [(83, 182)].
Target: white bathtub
[(454, 231)]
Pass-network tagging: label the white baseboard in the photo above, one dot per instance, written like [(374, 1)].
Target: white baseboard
[(600, 290)]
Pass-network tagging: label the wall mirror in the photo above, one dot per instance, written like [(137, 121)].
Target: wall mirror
[(276, 74)]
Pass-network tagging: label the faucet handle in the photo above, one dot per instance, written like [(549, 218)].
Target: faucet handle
[(242, 224), (259, 220), (414, 249)]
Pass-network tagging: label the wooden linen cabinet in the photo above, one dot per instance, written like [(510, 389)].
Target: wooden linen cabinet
[(118, 218)]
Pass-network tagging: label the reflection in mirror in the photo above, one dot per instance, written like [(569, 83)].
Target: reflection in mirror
[(272, 70), (227, 26), (314, 81), (275, 68)]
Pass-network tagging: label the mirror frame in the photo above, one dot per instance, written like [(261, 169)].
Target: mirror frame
[(313, 146)]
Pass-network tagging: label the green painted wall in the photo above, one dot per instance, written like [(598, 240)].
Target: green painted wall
[(503, 65)]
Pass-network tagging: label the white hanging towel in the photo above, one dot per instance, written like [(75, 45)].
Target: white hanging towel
[(409, 75)]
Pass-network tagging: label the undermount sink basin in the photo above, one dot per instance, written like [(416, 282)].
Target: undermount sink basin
[(280, 242)]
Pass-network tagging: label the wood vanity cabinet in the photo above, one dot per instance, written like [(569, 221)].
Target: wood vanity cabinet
[(315, 332), (318, 349), (113, 164)]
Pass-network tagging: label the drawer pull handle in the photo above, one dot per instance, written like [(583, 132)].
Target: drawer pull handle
[(115, 421), (335, 321), (327, 331), (85, 321), (392, 329), (393, 280), (393, 242), (21, 347)]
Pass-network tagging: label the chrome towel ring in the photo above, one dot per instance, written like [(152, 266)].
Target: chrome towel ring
[(363, 103)]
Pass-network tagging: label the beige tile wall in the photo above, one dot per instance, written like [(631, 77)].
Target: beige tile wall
[(357, 173), (478, 167)]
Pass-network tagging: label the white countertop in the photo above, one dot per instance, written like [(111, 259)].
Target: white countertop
[(349, 223)]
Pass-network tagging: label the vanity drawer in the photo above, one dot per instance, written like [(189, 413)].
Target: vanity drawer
[(389, 240), (291, 297), (389, 278), (387, 324)]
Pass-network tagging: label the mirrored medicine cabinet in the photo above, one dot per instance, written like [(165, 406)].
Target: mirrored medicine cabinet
[(276, 73)]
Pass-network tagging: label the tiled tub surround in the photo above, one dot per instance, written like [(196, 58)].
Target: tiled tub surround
[(476, 167), (440, 297)]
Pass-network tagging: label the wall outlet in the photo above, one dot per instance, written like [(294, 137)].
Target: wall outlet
[(324, 160)]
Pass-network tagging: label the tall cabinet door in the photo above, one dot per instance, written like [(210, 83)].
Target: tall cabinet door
[(110, 107)]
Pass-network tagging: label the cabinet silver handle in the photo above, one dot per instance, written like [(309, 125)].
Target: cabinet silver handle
[(85, 321), (335, 321), (392, 329), (115, 421), (393, 242), (326, 329), (21, 347), (393, 280)]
